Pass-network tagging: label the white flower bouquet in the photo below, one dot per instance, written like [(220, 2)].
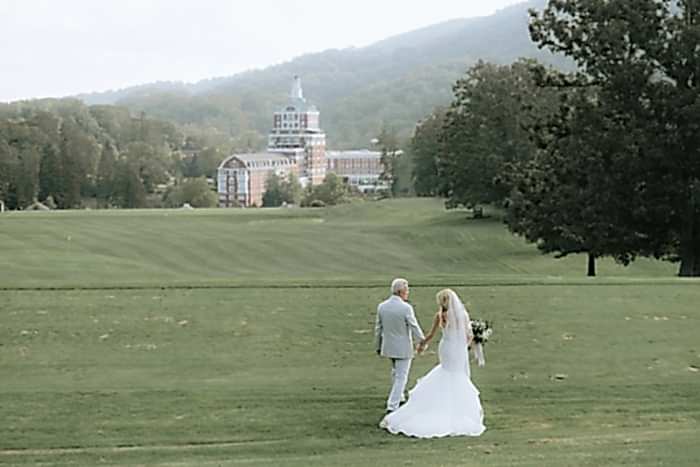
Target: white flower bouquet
[(481, 332)]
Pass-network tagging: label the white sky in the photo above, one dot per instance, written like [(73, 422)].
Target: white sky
[(51, 48)]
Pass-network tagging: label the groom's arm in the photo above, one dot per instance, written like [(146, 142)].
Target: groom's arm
[(378, 332), (413, 324)]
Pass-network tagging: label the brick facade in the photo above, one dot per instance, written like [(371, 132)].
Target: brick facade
[(296, 144)]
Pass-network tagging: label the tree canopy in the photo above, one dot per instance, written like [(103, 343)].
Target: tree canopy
[(640, 60)]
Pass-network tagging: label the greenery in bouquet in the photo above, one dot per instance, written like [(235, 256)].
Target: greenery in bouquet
[(482, 331)]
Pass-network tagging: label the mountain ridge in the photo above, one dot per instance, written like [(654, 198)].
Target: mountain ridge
[(394, 43), (393, 82)]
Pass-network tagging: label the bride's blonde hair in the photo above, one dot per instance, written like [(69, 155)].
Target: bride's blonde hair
[(443, 300)]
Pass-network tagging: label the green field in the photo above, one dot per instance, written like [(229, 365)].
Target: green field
[(363, 243), (242, 337)]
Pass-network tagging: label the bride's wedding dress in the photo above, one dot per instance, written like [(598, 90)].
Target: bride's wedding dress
[(444, 402)]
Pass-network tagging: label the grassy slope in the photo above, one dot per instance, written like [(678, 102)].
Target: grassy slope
[(362, 243), (270, 376)]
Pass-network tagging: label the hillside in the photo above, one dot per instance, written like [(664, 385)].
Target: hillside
[(395, 82), (356, 243)]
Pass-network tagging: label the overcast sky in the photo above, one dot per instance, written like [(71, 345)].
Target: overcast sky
[(51, 48)]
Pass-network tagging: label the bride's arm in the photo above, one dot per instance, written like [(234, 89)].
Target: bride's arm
[(433, 330), (424, 344)]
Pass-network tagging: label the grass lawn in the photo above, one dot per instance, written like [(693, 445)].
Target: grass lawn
[(361, 244), (269, 359)]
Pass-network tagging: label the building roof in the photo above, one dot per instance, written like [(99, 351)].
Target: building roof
[(298, 105), (357, 154), (354, 154), (296, 92), (287, 151), (236, 160), (261, 156), (296, 101)]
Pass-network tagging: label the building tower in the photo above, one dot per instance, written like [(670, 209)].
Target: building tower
[(297, 134)]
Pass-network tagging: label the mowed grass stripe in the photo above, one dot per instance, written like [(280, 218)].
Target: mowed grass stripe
[(415, 237)]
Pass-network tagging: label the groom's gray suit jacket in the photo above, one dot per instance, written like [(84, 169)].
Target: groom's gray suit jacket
[(395, 328)]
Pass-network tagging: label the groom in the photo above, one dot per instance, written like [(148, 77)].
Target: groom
[(395, 328)]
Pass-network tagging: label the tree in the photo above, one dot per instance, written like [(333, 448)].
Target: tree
[(641, 56), (332, 191), (8, 162), (194, 191), (292, 189), (28, 175), (106, 169), (202, 163), (281, 190), (51, 181), (426, 149), (129, 191), (51, 177), (389, 146), (485, 129), (79, 155), (20, 155), (152, 164), (273, 196), (51, 148), (568, 198)]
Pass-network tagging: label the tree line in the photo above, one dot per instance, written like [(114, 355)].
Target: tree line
[(68, 155), (604, 160)]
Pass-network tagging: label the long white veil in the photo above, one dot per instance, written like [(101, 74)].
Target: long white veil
[(457, 318), (457, 313)]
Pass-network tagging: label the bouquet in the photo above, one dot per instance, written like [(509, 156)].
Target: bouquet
[(481, 331)]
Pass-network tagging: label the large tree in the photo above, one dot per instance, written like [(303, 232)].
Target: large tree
[(153, 164), (485, 129), (425, 150), (571, 197), (20, 157), (642, 58), (79, 157)]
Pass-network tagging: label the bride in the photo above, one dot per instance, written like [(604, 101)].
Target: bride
[(444, 402)]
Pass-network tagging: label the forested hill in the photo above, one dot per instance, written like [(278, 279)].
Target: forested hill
[(395, 81)]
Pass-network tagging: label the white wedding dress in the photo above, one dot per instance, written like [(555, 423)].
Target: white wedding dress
[(444, 402)]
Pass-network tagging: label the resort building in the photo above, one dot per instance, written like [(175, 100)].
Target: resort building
[(242, 177), (296, 144), (360, 168)]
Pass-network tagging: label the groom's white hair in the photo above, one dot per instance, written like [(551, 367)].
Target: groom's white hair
[(397, 285)]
